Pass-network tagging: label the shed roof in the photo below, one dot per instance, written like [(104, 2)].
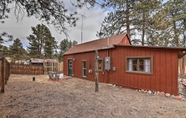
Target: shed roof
[(36, 60), (100, 44)]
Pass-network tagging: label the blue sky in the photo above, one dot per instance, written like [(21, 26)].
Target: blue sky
[(91, 25)]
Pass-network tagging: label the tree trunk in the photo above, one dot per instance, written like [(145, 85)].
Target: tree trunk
[(127, 18), (175, 33), (96, 71)]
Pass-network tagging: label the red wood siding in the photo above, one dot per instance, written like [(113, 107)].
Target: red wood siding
[(125, 41), (165, 68), (165, 64)]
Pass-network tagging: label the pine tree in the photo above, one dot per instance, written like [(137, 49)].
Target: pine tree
[(15, 49), (41, 42), (64, 46), (4, 51), (143, 11), (49, 47), (119, 20), (169, 23)]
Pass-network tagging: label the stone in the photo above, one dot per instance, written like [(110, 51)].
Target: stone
[(149, 92), (154, 93), (183, 99), (109, 84), (157, 93), (142, 90), (179, 80), (172, 96), (167, 94), (178, 97), (161, 93), (145, 91)]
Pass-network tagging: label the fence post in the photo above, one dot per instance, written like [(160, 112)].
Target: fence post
[(2, 75), (5, 70)]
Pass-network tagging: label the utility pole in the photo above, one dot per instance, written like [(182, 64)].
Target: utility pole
[(83, 16)]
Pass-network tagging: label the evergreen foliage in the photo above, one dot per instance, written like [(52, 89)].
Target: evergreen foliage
[(41, 42)]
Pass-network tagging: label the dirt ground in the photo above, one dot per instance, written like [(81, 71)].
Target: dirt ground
[(75, 98)]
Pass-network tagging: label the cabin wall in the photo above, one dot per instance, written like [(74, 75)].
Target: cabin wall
[(89, 57), (165, 68)]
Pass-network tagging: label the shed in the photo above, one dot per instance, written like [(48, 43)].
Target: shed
[(50, 65), (120, 63)]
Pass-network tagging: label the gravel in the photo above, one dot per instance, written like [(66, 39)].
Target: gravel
[(75, 98)]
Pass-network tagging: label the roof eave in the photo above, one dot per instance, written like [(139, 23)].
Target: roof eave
[(89, 51)]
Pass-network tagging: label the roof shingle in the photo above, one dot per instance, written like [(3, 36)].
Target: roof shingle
[(99, 44)]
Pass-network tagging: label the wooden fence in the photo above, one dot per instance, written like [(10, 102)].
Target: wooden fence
[(4, 72), (26, 69)]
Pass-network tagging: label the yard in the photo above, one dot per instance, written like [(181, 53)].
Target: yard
[(75, 98)]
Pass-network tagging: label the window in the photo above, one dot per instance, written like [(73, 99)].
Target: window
[(139, 64), (84, 74), (100, 64)]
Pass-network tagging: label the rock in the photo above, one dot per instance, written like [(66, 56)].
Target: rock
[(183, 99), (142, 90), (178, 97), (157, 93), (179, 80), (161, 93), (154, 93), (145, 91), (167, 94), (149, 92), (172, 96), (109, 84)]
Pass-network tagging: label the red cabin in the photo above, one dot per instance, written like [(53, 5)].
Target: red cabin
[(120, 63)]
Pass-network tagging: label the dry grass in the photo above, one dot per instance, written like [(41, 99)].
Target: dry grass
[(75, 98)]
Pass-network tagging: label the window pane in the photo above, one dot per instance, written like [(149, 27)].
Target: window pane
[(134, 61), (141, 61), (141, 65), (84, 64), (130, 64), (83, 68), (147, 65), (84, 72), (99, 61), (100, 64), (134, 67)]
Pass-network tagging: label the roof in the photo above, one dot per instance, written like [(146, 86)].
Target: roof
[(100, 44), (181, 50), (35, 60), (154, 47), (50, 60)]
